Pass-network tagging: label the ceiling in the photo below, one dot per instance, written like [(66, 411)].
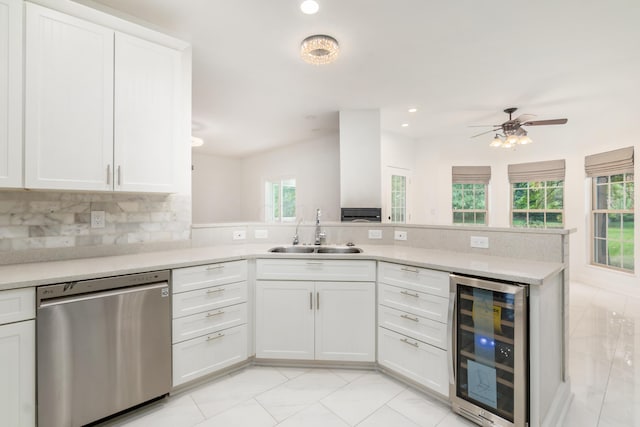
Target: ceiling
[(460, 62)]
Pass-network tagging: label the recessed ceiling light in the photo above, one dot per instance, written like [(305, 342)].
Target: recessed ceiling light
[(309, 7), (405, 125), (413, 110)]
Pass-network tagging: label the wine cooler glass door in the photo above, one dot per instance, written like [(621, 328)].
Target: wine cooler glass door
[(490, 351)]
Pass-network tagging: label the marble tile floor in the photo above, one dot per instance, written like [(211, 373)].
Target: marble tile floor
[(605, 372)]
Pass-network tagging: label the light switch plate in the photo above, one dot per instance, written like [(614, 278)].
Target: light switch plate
[(479, 242), (400, 235), (98, 219), (239, 235), (375, 234), (261, 234)]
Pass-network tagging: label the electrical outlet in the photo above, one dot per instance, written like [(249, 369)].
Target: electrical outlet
[(239, 235), (479, 242), (400, 235), (375, 234), (261, 234), (97, 219)]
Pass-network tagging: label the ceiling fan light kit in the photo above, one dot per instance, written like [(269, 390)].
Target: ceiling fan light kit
[(319, 49), (512, 132)]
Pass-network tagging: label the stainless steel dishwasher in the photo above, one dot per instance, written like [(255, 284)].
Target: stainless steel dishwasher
[(103, 346)]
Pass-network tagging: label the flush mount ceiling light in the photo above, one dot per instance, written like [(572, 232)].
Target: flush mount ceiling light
[(309, 7), (196, 142), (319, 49)]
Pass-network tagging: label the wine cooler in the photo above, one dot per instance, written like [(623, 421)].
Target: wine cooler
[(489, 377)]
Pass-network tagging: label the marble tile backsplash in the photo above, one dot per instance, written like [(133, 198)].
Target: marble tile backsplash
[(34, 221)]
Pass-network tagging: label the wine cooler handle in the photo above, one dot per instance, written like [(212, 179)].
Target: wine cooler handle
[(450, 336)]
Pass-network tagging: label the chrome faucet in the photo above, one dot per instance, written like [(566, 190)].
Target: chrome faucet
[(321, 236), (296, 240)]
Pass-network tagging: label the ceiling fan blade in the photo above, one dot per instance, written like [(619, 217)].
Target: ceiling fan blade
[(489, 131), (522, 118), (545, 122), (483, 126)]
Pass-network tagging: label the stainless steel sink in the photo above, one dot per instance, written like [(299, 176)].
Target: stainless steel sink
[(315, 249), (349, 250), (293, 249)]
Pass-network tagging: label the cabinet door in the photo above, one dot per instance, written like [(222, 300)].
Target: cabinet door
[(17, 370), (147, 115), (10, 93), (345, 321), (284, 320), (68, 102)]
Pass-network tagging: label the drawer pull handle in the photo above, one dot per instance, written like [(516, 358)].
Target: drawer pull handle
[(406, 341), (409, 294), (314, 263), (410, 270), (215, 267), (406, 316), (215, 314), (215, 337), (214, 291)]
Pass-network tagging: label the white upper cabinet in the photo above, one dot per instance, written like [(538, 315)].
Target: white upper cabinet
[(104, 110), (68, 102), (147, 106), (10, 93)]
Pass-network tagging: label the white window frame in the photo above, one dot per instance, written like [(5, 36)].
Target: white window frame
[(269, 207), (474, 211), (529, 211), (387, 202)]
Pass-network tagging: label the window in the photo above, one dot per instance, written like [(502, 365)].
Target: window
[(537, 194), (280, 200), (613, 221), (469, 198), (537, 204), (398, 198), (612, 208), (469, 204)]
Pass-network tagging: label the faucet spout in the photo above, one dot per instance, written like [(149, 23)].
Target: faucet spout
[(321, 236), (296, 240)]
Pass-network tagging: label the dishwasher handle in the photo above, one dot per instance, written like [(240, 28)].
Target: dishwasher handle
[(43, 302)]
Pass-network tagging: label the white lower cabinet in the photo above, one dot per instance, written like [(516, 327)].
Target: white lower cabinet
[(326, 316), (412, 320), (17, 358), (209, 319), (414, 359)]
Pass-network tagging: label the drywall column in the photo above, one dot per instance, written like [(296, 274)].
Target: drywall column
[(360, 157)]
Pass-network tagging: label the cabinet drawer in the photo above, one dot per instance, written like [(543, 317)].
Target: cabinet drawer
[(205, 276), (416, 278), (204, 355), (17, 305), (418, 361), (414, 302), (201, 300), (316, 269), (209, 322), (420, 328)]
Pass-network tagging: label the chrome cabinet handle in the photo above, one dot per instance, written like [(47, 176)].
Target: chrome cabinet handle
[(317, 300), (410, 270), (215, 267), (215, 314), (314, 263), (406, 316), (214, 291), (310, 300), (109, 174), (218, 335), (119, 175), (406, 341), (409, 294)]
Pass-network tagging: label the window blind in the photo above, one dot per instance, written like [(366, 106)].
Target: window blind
[(551, 170), (609, 163), (471, 174)]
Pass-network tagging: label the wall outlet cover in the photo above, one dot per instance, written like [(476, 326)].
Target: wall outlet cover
[(98, 219), (479, 242), (239, 235), (261, 234), (375, 234), (400, 235)]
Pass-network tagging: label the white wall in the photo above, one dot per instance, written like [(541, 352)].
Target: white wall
[(360, 151), (217, 188)]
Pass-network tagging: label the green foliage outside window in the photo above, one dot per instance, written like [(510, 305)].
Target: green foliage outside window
[(469, 203), (538, 204)]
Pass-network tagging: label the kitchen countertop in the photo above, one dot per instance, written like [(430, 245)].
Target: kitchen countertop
[(43, 273)]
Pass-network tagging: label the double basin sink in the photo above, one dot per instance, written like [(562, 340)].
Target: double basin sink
[(316, 250)]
